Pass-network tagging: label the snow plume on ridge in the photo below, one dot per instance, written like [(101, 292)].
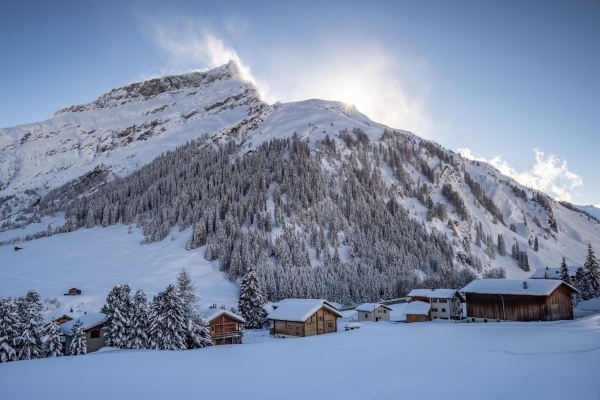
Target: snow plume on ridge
[(188, 46), (549, 174)]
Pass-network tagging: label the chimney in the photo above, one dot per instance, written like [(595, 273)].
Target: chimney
[(524, 285)]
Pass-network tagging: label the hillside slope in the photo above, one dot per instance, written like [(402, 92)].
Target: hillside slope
[(321, 200)]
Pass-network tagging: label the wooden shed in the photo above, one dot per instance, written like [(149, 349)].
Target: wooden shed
[(224, 326), (417, 311), (303, 317), (519, 299)]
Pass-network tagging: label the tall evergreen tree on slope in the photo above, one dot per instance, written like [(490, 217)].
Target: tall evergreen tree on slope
[(118, 311), (564, 272), (32, 330), (78, 344), (52, 344), (251, 302), (168, 325), (9, 327), (197, 335), (592, 275), (138, 336)]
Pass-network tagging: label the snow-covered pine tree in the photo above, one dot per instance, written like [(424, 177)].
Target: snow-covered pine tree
[(501, 245), (78, 344), (32, 327), (187, 290), (580, 284), (524, 261), (168, 324), (9, 330), (251, 302), (564, 272), (535, 244), (138, 335), (592, 274), (52, 344), (197, 333), (117, 310), (198, 237)]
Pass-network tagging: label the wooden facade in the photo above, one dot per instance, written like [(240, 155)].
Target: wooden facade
[(224, 329), (511, 307), (322, 321), (416, 318)]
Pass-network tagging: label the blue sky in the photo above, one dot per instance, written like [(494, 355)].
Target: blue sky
[(516, 83)]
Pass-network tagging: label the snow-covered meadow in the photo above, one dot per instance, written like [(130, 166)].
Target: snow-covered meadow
[(436, 360)]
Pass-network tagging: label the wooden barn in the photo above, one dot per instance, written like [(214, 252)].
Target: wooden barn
[(417, 311), (519, 300), (224, 326), (73, 292), (303, 317)]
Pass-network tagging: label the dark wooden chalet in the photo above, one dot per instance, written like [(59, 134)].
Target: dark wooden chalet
[(224, 326), (519, 300), (303, 317), (73, 292)]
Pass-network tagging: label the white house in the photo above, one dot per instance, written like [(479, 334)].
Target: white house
[(444, 303), (373, 312), (553, 273)]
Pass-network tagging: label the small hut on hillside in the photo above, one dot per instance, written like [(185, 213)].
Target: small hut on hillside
[(519, 300)]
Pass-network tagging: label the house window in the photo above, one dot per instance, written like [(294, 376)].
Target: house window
[(320, 318), (329, 325), (385, 311), (366, 315), (94, 334), (298, 329), (434, 309), (212, 328), (443, 310)]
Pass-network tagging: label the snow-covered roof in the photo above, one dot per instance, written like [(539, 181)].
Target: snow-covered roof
[(433, 293), (416, 308), (88, 321), (369, 307), (212, 313), (553, 273), (299, 310), (535, 287)]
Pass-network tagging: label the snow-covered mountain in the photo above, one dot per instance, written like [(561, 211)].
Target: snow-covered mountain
[(322, 200)]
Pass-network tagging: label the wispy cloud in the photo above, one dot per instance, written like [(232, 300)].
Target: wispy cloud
[(549, 174)]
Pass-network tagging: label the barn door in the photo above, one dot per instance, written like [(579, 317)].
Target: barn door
[(555, 312)]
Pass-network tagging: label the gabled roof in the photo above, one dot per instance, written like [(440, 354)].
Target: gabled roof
[(89, 321), (535, 287), (553, 273), (213, 313), (435, 293), (416, 308), (299, 310), (369, 307)]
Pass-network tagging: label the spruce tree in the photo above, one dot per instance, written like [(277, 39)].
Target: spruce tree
[(501, 245), (581, 284), (251, 302), (168, 325), (197, 332), (52, 344), (592, 275), (32, 327), (138, 335), (118, 311), (564, 272), (9, 330), (78, 344)]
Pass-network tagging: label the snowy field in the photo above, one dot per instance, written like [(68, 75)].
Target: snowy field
[(94, 260), (436, 360)]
